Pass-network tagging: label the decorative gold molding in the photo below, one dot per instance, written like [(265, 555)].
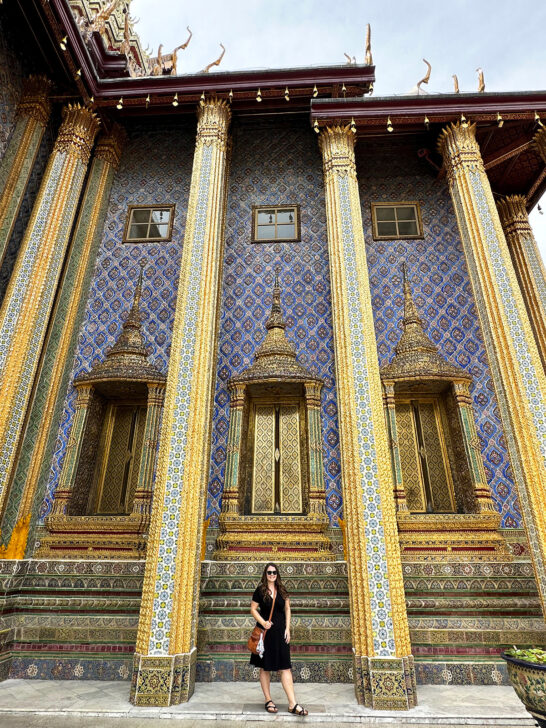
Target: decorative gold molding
[(213, 119), (366, 469), (77, 132), (167, 628), (517, 370), (539, 141), (110, 146), (29, 298), (528, 263), (34, 102), (337, 145)]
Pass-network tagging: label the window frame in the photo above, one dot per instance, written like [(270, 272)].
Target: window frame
[(297, 224), (128, 219), (411, 203)]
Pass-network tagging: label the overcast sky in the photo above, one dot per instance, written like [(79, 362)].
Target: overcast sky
[(507, 38)]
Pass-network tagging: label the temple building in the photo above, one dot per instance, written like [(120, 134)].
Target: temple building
[(263, 315)]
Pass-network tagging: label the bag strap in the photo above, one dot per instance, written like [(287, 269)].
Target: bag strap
[(272, 606)]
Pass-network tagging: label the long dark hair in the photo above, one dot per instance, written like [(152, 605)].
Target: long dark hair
[(264, 589)]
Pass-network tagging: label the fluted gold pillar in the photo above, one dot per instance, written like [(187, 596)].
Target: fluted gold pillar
[(27, 305), (518, 375), (165, 659), (33, 464), (390, 414), (383, 666), (528, 264), (33, 113)]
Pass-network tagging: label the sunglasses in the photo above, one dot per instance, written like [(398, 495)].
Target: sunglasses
[(272, 572)]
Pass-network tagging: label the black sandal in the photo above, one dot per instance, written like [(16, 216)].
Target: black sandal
[(301, 710), (271, 707)]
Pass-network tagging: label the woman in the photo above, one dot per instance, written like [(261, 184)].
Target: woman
[(276, 638)]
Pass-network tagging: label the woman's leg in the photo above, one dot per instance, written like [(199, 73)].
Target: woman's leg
[(288, 686), (265, 682)]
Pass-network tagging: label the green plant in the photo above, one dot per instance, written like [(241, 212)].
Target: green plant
[(532, 655)]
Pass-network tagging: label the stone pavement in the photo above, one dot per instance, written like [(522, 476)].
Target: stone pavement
[(75, 704)]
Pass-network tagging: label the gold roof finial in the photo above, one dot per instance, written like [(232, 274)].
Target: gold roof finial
[(127, 360), (426, 77), (415, 355), (455, 84), (481, 81), (216, 62), (275, 358), (368, 60)]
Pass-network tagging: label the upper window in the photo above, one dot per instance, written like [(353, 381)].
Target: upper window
[(148, 224), (396, 221), (276, 224)]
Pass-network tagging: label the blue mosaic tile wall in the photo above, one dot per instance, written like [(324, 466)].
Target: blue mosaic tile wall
[(442, 292), (27, 202), (155, 168), (276, 165)]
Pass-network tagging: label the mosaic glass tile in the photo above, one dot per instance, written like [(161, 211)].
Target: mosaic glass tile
[(442, 292)]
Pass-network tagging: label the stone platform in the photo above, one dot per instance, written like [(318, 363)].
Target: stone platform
[(453, 706), (77, 619)]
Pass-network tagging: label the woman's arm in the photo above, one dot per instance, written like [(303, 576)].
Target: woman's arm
[(257, 616), (288, 615)]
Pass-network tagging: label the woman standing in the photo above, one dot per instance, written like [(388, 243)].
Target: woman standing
[(276, 638)]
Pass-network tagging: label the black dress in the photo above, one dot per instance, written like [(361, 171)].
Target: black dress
[(277, 651)]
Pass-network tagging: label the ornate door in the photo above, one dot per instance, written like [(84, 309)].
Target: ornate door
[(277, 470)]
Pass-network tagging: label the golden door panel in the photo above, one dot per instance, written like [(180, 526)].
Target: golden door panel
[(422, 446), (290, 460), (263, 474), (409, 458), (121, 443), (437, 462)]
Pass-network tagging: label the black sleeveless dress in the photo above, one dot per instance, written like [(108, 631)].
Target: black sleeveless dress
[(277, 651)]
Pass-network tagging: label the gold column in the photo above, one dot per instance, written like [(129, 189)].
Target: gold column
[(143, 493), (165, 659), (383, 666), (63, 493), (390, 413), (317, 491), (482, 492), (27, 305), (527, 264), (32, 469), (230, 494), (16, 166), (518, 375)]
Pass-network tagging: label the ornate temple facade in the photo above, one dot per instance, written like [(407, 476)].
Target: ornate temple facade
[(263, 315)]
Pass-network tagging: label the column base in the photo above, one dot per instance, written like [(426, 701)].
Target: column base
[(385, 683), (163, 680)]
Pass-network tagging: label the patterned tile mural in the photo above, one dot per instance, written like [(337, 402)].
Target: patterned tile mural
[(273, 164), (155, 168), (276, 165), (442, 291)]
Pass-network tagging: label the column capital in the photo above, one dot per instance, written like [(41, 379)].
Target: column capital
[(458, 146), (337, 144), (513, 213), (213, 117), (34, 101), (110, 146), (77, 132), (540, 142)]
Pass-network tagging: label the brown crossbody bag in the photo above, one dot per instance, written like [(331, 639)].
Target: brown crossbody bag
[(256, 640)]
